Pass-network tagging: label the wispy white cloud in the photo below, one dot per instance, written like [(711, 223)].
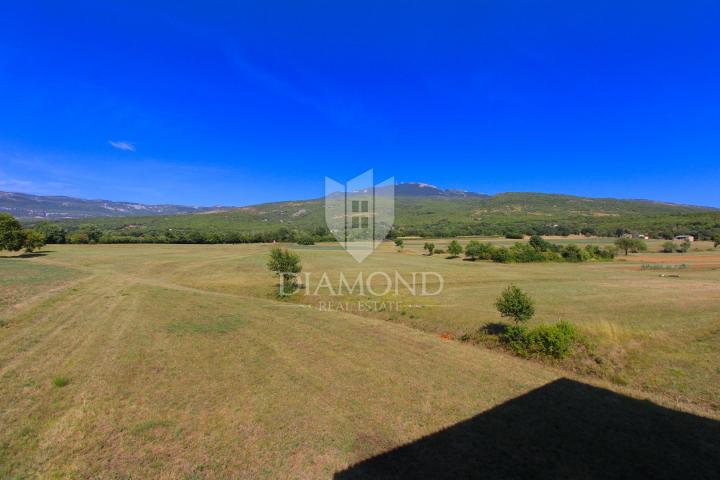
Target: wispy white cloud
[(125, 146)]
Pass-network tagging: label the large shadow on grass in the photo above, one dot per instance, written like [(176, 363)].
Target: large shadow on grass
[(564, 429)]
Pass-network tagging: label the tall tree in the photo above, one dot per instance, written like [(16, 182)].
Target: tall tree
[(12, 236)]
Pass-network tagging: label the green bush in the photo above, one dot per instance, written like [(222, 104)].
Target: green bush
[(572, 253), (516, 339), (548, 340), (501, 255), (60, 381), (552, 257), (525, 253), (541, 245), (480, 251), (553, 340), (593, 252), (668, 247), (304, 240)]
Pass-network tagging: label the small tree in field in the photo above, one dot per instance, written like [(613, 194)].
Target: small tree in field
[(716, 240), (631, 245), (399, 243), (454, 248), (286, 265), (516, 304), (473, 250), (430, 247)]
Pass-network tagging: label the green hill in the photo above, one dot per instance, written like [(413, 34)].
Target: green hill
[(429, 211)]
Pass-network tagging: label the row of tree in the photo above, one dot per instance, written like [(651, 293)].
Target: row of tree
[(536, 250), (657, 228), (90, 233)]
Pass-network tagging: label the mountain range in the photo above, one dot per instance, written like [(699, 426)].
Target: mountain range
[(27, 206), (408, 195)]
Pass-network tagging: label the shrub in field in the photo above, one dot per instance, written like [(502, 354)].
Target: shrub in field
[(525, 253), (572, 253), (515, 304), (286, 265), (668, 247), (515, 339), (501, 255), (593, 252), (430, 247), (438, 251), (400, 243), (472, 250), (541, 245), (552, 256), (684, 246), (454, 248), (304, 240), (514, 235), (475, 250), (716, 240), (548, 340), (60, 381), (553, 340)]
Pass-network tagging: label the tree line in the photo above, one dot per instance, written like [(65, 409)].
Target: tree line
[(92, 233), (536, 250)]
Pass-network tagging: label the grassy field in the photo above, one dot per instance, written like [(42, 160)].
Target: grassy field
[(177, 361)]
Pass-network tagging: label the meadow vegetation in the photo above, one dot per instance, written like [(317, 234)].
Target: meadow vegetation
[(180, 361)]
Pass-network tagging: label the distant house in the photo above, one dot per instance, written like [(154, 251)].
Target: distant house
[(682, 238), (641, 236)]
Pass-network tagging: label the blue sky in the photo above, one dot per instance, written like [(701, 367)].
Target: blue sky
[(233, 103)]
